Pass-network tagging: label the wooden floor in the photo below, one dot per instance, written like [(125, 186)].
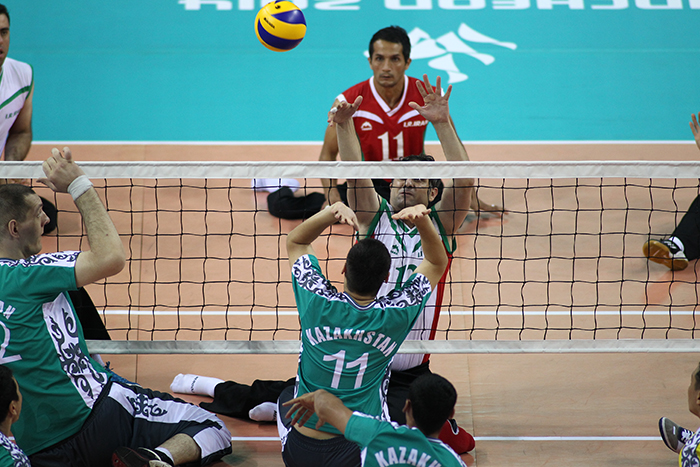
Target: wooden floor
[(524, 410)]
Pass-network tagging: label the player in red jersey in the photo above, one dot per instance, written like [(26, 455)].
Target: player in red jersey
[(387, 127)]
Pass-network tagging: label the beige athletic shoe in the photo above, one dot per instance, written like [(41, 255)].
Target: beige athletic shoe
[(667, 253)]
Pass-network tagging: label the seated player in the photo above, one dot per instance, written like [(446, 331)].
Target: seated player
[(75, 413), (683, 245), (682, 440), (431, 401), (10, 407), (349, 339), (387, 128), (375, 217)]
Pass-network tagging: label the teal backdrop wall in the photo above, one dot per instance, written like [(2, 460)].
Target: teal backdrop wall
[(193, 70)]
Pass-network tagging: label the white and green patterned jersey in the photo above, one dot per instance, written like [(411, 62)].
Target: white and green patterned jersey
[(43, 344), (386, 443), (10, 454), (346, 347), (16, 79), (404, 245), (690, 454)]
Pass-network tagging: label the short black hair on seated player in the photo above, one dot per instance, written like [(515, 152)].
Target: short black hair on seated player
[(434, 182), (697, 378), (13, 204), (367, 267), (394, 34), (3, 11), (432, 399), (8, 391)]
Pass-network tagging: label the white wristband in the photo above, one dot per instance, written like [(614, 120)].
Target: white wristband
[(79, 186)]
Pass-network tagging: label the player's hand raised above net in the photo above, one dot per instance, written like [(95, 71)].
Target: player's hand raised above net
[(60, 170), (435, 108), (343, 112)]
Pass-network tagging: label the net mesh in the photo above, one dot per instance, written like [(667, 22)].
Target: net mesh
[(206, 261)]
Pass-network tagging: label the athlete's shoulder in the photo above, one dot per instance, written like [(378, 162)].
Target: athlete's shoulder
[(19, 69), (64, 259), (362, 88), (10, 454)]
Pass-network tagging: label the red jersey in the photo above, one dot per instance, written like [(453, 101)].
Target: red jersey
[(387, 134)]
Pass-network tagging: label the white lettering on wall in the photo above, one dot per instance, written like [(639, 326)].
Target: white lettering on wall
[(409, 4), (663, 5), (616, 5), (549, 4), (462, 4), (337, 5)]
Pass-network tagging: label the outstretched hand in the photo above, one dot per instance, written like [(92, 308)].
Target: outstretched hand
[(412, 213), (695, 128), (343, 111), (60, 170), (435, 108), (344, 215)]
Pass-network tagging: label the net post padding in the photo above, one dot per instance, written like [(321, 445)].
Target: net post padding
[(433, 347)]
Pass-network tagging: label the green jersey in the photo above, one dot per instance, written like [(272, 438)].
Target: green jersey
[(386, 443), (347, 347), (43, 344), (10, 454)]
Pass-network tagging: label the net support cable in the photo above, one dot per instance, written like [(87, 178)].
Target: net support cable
[(432, 347)]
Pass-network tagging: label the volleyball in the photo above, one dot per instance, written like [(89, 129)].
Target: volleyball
[(280, 25)]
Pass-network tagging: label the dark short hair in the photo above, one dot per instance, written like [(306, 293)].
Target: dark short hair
[(432, 399), (3, 11), (394, 34), (697, 378), (367, 266), (434, 182), (13, 203), (8, 391)]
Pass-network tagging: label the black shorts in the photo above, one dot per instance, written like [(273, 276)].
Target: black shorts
[(133, 416), (299, 450), (303, 451)]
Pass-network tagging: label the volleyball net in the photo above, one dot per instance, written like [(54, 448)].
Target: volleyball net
[(207, 268)]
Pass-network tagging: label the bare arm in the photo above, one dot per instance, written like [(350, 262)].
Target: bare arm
[(695, 128), (457, 195), (19, 138), (299, 240), (328, 407), (329, 153), (361, 195), (106, 256), (434, 257)]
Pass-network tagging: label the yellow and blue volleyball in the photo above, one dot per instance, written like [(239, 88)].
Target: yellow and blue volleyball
[(280, 26)]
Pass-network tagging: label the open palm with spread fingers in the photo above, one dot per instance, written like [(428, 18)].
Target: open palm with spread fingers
[(435, 108)]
